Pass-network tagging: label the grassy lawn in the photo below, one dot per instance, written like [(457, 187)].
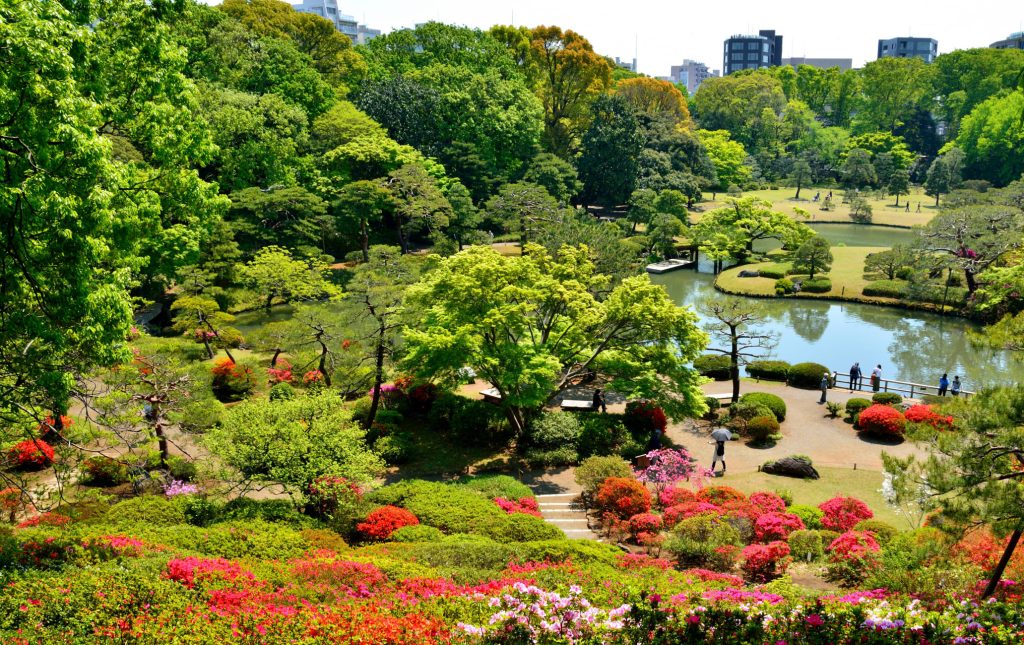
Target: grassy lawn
[(847, 277), (862, 484), (885, 210)]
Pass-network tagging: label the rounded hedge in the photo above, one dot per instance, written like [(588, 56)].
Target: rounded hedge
[(882, 420), (417, 533), (716, 366), (855, 406), (883, 531), (761, 428), (806, 375), (811, 515), (806, 545), (770, 401), (887, 398), (818, 285), (769, 370)]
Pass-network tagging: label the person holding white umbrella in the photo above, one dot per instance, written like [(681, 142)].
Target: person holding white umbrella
[(719, 436)]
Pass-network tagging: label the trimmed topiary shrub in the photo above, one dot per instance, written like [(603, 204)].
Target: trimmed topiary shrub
[(148, 510), (770, 401), (806, 545), (493, 486), (896, 289), (592, 472), (551, 439), (809, 515), (887, 398), (761, 428), (105, 471), (806, 375), (417, 533), (704, 541), (783, 286), (720, 495), (817, 285), (602, 434), (768, 370), (882, 420), (623, 497), (883, 531), (855, 406), (843, 513), (715, 366)]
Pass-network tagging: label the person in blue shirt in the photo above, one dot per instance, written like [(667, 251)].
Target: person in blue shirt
[(954, 387), (943, 384)]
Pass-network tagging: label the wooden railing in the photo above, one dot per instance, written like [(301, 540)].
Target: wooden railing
[(903, 388)]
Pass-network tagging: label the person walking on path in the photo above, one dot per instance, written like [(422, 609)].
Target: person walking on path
[(599, 403), (825, 380), (719, 436), (876, 378), (943, 384), (954, 387), (855, 376)]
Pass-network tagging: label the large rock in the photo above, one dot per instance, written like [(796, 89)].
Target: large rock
[(791, 467)]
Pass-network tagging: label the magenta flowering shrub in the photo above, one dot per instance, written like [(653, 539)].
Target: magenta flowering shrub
[(176, 488), (192, 571), (766, 502), (763, 562), (676, 514), (851, 556), (668, 466), (742, 596), (644, 523), (525, 505), (843, 513), (776, 526), (674, 495)]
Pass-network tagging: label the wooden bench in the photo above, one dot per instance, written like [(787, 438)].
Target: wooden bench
[(491, 395), (722, 398), (577, 405)]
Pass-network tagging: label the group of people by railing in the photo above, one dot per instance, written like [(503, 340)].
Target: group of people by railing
[(855, 381)]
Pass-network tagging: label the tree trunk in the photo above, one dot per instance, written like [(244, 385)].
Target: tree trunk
[(972, 284), (937, 195), (366, 240), (378, 378), (997, 573), (206, 344), (516, 419), (798, 187), (734, 366), (401, 237), (277, 354), (269, 302), (323, 364), (897, 200)]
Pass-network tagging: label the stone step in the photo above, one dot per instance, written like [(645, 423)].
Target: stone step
[(565, 513), (553, 496), (566, 520)]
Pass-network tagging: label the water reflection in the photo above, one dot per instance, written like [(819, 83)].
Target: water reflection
[(911, 346)]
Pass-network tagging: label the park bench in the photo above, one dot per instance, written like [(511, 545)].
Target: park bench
[(577, 405), (491, 395), (722, 398)]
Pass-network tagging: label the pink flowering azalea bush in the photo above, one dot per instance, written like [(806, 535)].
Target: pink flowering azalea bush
[(763, 562), (674, 495), (667, 466), (776, 526), (851, 556), (766, 502), (843, 513), (644, 523), (524, 505)]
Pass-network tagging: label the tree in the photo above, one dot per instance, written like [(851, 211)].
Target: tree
[(813, 256), (556, 175), (857, 170), (643, 206), (662, 233), (656, 98), (860, 208), (944, 174), (377, 292), (892, 89), (466, 217), (974, 473), (899, 184), (201, 318), (361, 206), (292, 443), (734, 322), (965, 78), (990, 137), (274, 273), (419, 204), (889, 262), (728, 158), (532, 326), (800, 174), (522, 208), (730, 231), (291, 216), (737, 103), (611, 149)]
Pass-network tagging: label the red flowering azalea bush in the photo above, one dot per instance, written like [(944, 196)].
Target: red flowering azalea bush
[(358, 577), (643, 418), (231, 381), (329, 494), (623, 497), (46, 519), (192, 571), (776, 526), (281, 372), (763, 562), (882, 420), (525, 505), (634, 561), (851, 556), (382, 522), (11, 502), (676, 514), (31, 453), (744, 510), (927, 415), (768, 502), (49, 426), (644, 523), (843, 513), (674, 495), (720, 495), (422, 397)]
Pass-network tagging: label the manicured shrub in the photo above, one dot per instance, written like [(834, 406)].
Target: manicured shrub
[(764, 562), (623, 497), (643, 417), (417, 533), (593, 471), (551, 457), (886, 398), (232, 382), (806, 375), (851, 556), (882, 420), (148, 510), (395, 448), (715, 366), (471, 421), (843, 513), (181, 468), (602, 434), (685, 510), (886, 289), (421, 397), (773, 271), (783, 286), (381, 522), (927, 415), (882, 531), (523, 528), (704, 541), (105, 471), (719, 495), (768, 370), (282, 392), (492, 486), (553, 430), (817, 285), (761, 428), (31, 454), (776, 526), (770, 401), (806, 545), (809, 515), (766, 502), (674, 495), (855, 406), (644, 523)]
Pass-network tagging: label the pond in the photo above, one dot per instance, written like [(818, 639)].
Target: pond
[(910, 345), (853, 235)]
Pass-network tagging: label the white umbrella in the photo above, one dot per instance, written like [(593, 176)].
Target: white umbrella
[(721, 434)]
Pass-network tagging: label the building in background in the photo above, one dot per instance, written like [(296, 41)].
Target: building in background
[(358, 34), (843, 64), (626, 64), (691, 74), (752, 52), (924, 48), (1014, 41)]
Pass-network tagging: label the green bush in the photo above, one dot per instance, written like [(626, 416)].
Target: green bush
[(817, 285), (148, 510), (602, 434), (492, 486), (883, 531), (698, 542), (282, 392), (855, 406), (769, 370), (715, 366), (105, 471), (811, 515), (806, 375), (520, 527), (553, 430), (783, 286), (181, 468), (592, 472), (395, 448), (741, 414), (806, 546), (887, 398), (886, 289), (786, 495), (469, 420), (199, 511), (417, 533), (761, 428), (905, 273), (551, 457), (773, 271), (268, 510), (770, 401)]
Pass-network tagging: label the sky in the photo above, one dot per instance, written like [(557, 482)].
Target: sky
[(662, 34)]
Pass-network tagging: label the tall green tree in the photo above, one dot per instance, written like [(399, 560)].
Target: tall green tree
[(944, 175), (611, 148), (360, 208), (418, 203), (857, 170), (274, 274), (893, 88), (738, 103), (532, 326), (813, 256), (556, 175), (201, 318), (730, 231), (523, 208), (991, 136), (899, 184), (728, 158)]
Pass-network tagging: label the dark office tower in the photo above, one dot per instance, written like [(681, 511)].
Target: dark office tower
[(752, 52)]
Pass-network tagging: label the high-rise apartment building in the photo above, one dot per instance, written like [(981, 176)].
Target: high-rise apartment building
[(924, 48), (691, 74), (752, 52), (358, 34)]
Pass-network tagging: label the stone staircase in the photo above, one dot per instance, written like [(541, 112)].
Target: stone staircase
[(565, 510)]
